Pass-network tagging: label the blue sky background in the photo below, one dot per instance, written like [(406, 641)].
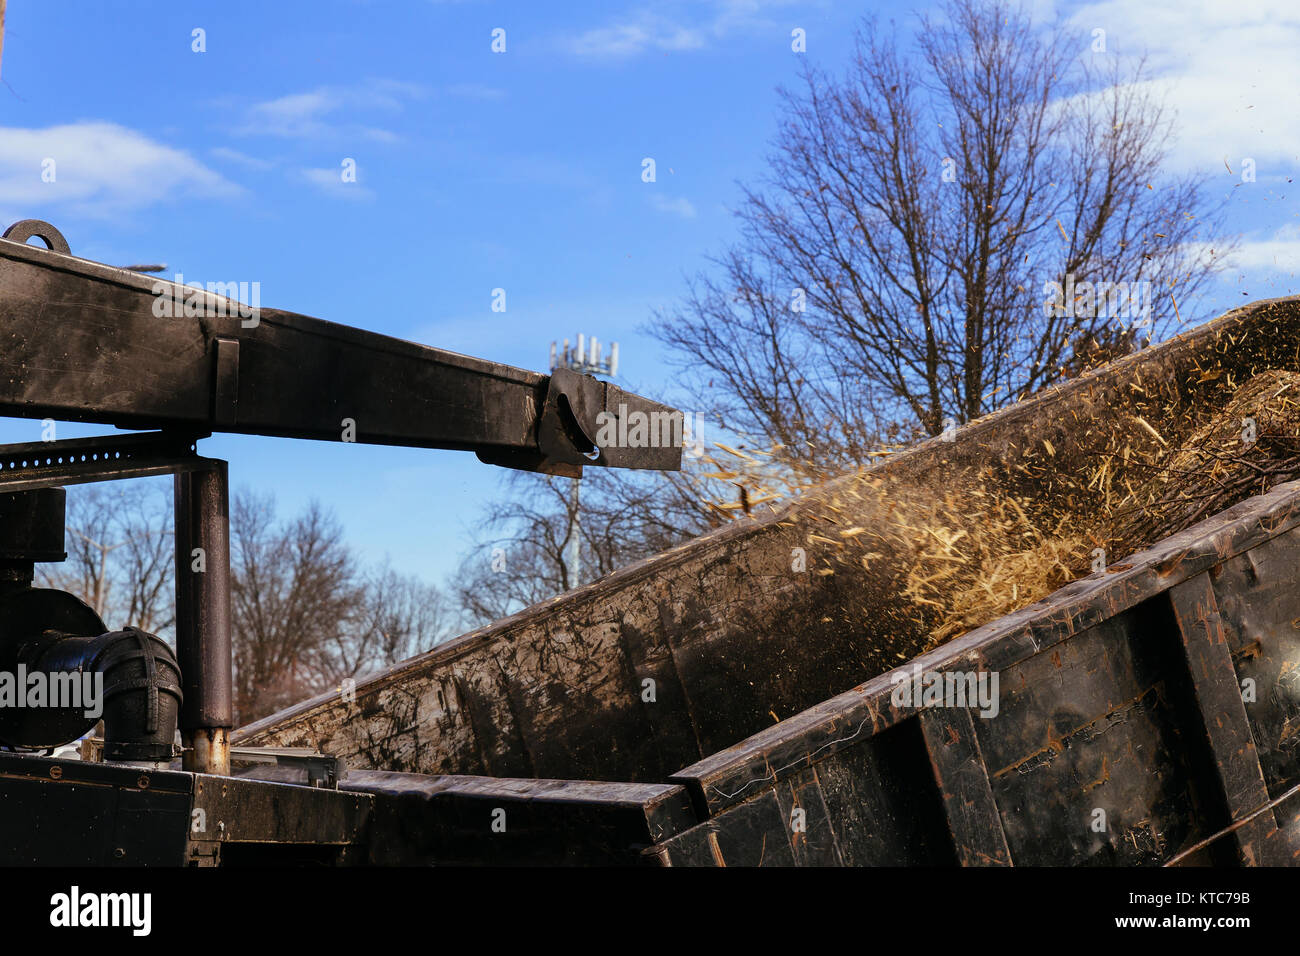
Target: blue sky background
[(519, 170)]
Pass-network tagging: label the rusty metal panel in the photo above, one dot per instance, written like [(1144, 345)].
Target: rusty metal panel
[(234, 816), (882, 802), (1218, 697), (752, 833), (1087, 757), (1259, 611), (871, 803), (808, 821), (1282, 846), (963, 782)]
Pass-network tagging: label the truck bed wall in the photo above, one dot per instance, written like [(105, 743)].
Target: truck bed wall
[(1141, 713)]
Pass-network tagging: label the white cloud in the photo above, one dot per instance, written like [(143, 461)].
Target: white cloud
[(376, 135), (98, 169), (673, 27), (647, 32), (330, 182), (1278, 252), (475, 91), (1229, 69), (299, 114), (330, 111), (677, 207), (234, 156)]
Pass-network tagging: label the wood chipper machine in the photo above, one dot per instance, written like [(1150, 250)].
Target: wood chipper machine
[(81, 341)]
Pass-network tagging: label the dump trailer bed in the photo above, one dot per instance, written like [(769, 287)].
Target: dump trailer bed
[(1141, 709), (720, 704), (1142, 712), (1145, 715), (731, 635)]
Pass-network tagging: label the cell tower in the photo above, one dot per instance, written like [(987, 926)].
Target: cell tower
[(586, 357)]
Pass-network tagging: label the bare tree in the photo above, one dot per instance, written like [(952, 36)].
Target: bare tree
[(119, 542), (522, 558), (942, 230), (896, 265), (295, 589), (623, 517), (146, 566), (306, 615), (399, 616)]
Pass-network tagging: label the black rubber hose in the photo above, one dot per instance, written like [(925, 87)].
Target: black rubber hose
[(141, 695)]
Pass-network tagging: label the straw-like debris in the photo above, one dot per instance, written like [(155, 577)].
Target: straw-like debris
[(942, 561)]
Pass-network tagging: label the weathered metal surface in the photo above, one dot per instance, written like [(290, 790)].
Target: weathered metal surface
[(963, 782), (1089, 757), (1282, 847), (69, 813), (75, 813), (1120, 735), (485, 820), (1256, 594), (288, 765), (1223, 714), (1016, 637), (239, 368), (27, 229), (874, 804), (1117, 735), (732, 637), (237, 821), (755, 835), (30, 465), (31, 528)]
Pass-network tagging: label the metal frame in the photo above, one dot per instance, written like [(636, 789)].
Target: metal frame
[(89, 342), (202, 506)]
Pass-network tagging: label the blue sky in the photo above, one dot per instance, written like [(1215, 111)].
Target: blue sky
[(519, 170)]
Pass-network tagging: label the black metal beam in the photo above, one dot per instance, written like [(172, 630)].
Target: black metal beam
[(29, 465), (963, 781), (88, 342)]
